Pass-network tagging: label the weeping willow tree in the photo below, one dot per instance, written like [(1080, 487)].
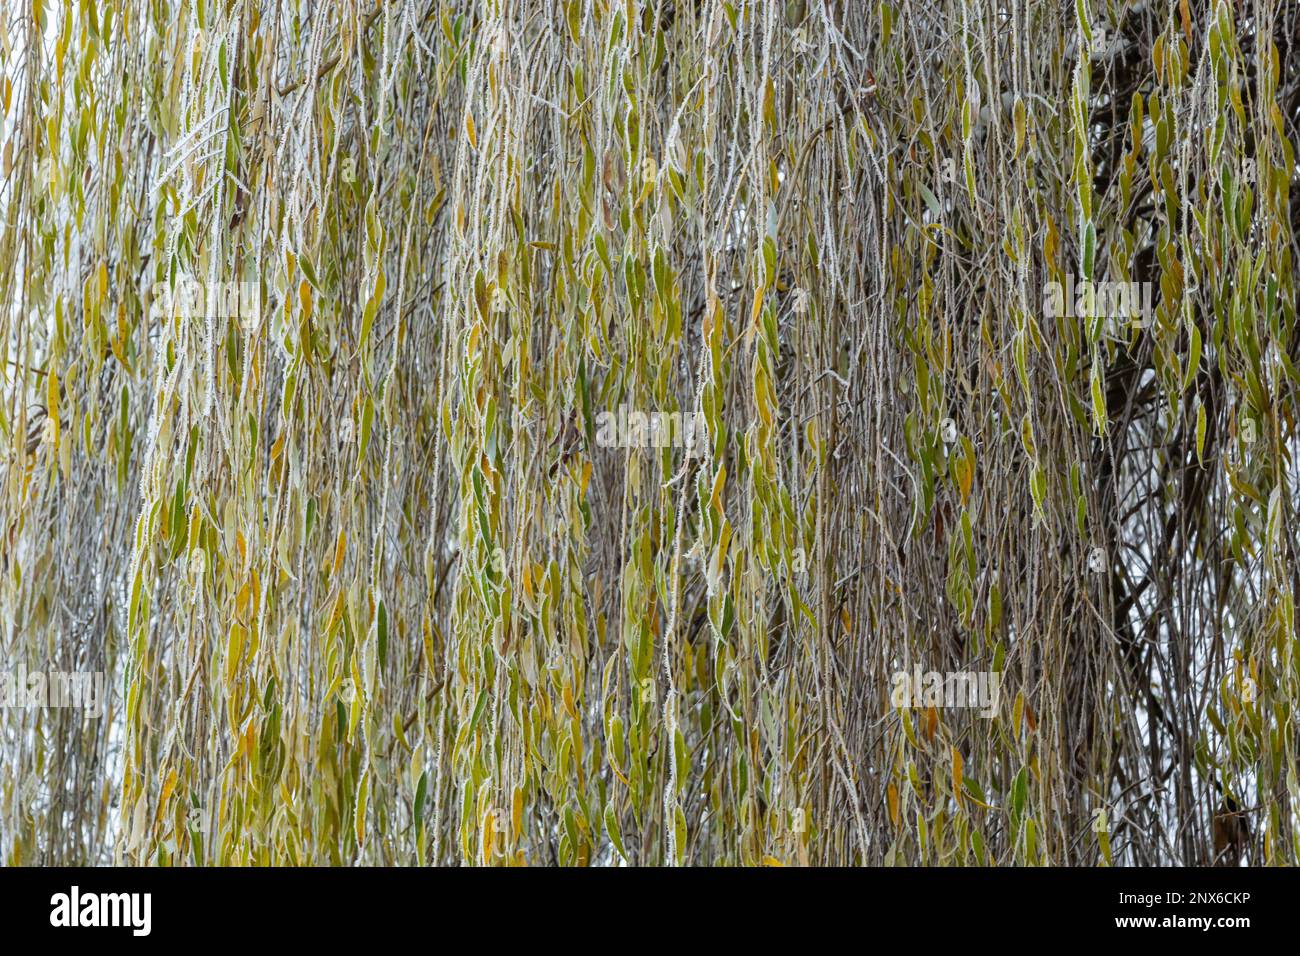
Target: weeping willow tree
[(370, 584)]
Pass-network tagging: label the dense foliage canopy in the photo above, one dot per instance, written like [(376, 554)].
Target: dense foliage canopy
[(312, 315)]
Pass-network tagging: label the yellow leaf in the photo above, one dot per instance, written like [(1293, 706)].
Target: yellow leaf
[(234, 646), (335, 614), (168, 786), (755, 314), (720, 479), (428, 647), (304, 296), (517, 810), (52, 400), (528, 582), (965, 477), (363, 790), (340, 547), (489, 834)]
